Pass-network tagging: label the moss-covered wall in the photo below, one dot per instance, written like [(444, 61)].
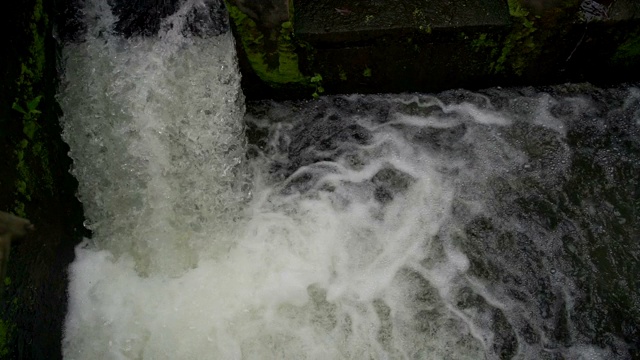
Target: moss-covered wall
[(534, 43), (270, 52), (34, 183), (541, 42), (558, 41)]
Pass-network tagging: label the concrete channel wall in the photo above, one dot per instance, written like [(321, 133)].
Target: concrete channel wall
[(303, 48), (34, 183)]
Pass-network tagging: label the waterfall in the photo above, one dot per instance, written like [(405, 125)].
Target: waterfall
[(349, 227), (155, 128)]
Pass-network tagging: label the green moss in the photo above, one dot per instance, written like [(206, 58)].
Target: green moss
[(516, 9), (291, 9), (36, 49), (366, 72), (19, 209), (628, 53), (426, 29), (6, 329), (483, 41), (32, 165), (421, 18), (288, 68), (316, 80), (342, 74), (31, 150), (31, 147), (277, 66), (516, 51), (518, 48)]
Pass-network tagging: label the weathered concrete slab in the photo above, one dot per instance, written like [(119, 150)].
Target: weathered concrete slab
[(622, 10), (338, 21), (35, 183), (334, 46)]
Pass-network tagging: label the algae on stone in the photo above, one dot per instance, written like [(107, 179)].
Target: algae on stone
[(628, 52), (518, 48), (30, 152), (276, 65)]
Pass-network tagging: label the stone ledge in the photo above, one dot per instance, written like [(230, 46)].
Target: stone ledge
[(337, 21), (331, 46)]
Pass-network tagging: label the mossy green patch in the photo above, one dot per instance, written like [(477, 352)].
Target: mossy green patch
[(316, 80), (516, 9), (288, 68), (30, 152), (31, 85), (422, 20), (628, 52), (518, 47), (342, 75), (516, 50), (425, 28), (271, 53), (6, 329), (366, 72), (484, 41), (291, 9)]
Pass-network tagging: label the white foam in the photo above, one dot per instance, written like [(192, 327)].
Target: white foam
[(632, 100), (482, 116)]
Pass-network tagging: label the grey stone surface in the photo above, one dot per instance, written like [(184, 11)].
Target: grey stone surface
[(267, 13), (368, 46), (353, 19), (622, 10)]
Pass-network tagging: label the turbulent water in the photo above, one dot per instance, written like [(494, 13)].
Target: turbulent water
[(500, 224)]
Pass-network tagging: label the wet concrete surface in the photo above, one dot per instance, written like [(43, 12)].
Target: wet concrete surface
[(360, 19)]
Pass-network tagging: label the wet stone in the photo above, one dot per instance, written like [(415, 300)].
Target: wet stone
[(356, 20)]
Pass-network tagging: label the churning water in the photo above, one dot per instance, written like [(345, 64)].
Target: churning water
[(500, 224)]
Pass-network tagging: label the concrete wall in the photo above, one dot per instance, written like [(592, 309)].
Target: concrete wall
[(34, 183), (303, 48)]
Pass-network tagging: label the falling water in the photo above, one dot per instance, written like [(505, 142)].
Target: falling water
[(458, 226)]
